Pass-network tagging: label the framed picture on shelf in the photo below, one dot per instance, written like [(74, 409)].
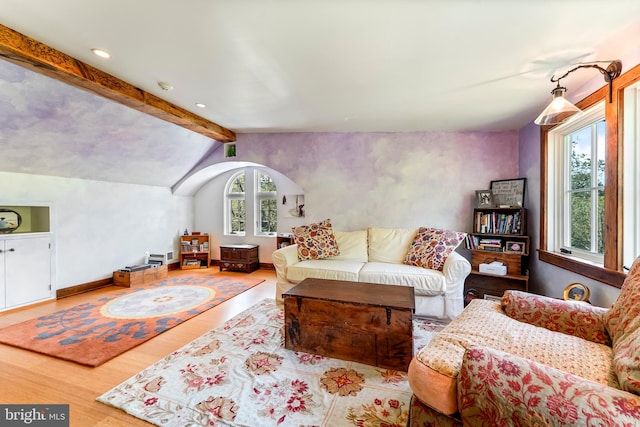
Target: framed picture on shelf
[(514, 247), (576, 292), (484, 199), (508, 192)]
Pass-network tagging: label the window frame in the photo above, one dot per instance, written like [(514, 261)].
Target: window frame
[(231, 196), (259, 197), (559, 182), (612, 271)]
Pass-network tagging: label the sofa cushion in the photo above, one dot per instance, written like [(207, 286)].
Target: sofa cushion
[(433, 371), (432, 246), (324, 269), (390, 244), (575, 318), (626, 362), (315, 241), (624, 315), (352, 245), (424, 282)]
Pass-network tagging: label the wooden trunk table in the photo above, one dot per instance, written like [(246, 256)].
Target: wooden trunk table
[(239, 257), (361, 322)]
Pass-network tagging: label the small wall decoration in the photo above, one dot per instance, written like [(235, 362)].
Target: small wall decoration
[(514, 247), (508, 192), (484, 199), (10, 220), (576, 292), (293, 205)]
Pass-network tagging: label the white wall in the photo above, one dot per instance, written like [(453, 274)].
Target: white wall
[(99, 227), (209, 212)]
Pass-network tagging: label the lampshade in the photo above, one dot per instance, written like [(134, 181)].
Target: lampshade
[(558, 110)]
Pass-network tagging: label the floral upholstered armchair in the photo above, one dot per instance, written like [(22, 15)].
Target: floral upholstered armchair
[(533, 360)]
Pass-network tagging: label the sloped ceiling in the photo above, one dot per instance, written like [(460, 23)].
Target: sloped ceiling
[(283, 66), (50, 128)]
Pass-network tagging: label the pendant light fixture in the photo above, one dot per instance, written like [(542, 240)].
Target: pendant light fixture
[(560, 109)]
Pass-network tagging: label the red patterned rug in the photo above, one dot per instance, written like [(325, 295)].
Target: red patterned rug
[(239, 374), (97, 331)]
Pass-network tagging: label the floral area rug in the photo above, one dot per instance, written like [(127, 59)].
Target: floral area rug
[(240, 374), (95, 332)]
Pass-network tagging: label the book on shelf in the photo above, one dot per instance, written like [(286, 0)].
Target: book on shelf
[(498, 223)]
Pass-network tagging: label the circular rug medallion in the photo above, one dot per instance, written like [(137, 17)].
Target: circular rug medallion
[(157, 302)]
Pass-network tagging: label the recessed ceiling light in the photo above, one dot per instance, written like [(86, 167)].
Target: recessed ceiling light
[(101, 53), (201, 105)]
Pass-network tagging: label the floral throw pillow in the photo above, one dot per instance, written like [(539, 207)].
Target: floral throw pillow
[(316, 241), (432, 246)]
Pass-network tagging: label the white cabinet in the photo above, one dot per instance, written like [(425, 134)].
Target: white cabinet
[(25, 269)]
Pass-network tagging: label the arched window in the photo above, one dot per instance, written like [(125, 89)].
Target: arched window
[(259, 200), (266, 204), (236, 212)]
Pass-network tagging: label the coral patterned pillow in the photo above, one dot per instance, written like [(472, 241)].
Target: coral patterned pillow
[(624, 315), (431, 247), (316, 241), (626, 362)]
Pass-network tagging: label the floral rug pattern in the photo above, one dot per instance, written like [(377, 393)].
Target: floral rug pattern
[(240, 374)]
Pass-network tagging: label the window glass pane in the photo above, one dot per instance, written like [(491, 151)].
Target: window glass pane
[(581, 220), (237, 216), (265, 183), (238, 185), (268, 216), (580, 169)]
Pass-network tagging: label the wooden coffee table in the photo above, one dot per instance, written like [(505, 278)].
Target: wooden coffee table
[(361, 322)]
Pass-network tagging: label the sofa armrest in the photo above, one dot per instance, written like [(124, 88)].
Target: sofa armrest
[(283, 258), (569, 317), (456, 269), (497, 388)]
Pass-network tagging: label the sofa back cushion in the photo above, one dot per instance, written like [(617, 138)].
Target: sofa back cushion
[(352, 244), (390, 244), (624, 315), (623, 321), (625, 362)]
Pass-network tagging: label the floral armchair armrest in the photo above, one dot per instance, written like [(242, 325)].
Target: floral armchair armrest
[(569, 317), (497, 388)]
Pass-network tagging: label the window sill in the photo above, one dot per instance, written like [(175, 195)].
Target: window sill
[(584, 268)]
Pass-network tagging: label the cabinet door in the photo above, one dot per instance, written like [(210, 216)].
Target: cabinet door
[(27, 270)]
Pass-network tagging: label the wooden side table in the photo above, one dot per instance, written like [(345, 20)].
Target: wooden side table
[(239, 257)]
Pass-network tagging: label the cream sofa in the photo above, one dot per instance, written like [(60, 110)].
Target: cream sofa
[(377, 255), (533, 360)]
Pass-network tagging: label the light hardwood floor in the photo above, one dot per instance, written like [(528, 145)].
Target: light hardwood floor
[(27, 377)]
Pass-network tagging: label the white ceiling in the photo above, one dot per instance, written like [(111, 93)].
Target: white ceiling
[(342, 65)]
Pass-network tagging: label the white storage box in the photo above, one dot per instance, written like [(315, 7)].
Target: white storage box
[(493, 268)]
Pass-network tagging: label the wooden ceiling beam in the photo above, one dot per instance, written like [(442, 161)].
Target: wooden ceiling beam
[(33, 55)]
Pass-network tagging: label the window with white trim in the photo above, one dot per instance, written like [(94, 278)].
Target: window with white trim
[(235, 205), (266, 204), (246, 205), (575, 186)]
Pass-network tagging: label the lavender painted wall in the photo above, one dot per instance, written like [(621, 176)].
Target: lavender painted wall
[(408, 180)]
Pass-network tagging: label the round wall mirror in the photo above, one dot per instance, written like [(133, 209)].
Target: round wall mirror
[(9, 221)]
